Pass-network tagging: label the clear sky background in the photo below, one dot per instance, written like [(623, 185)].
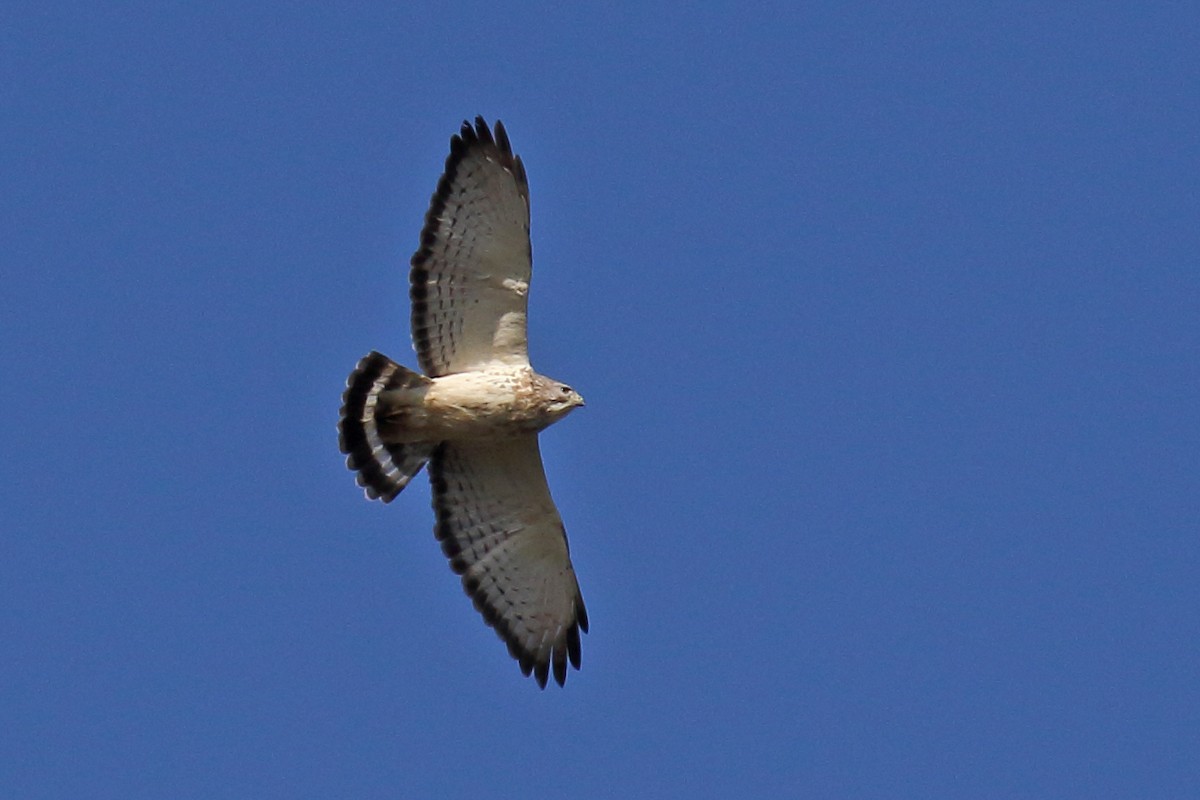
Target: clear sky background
[(887, 317)]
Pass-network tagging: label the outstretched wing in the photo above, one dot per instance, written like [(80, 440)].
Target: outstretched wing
[(503, 535), (470, 276)]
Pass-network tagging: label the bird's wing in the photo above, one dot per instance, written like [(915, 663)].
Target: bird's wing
[(470, 276), (503, 535)]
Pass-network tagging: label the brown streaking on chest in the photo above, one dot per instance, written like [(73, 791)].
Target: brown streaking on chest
[(471, 405)]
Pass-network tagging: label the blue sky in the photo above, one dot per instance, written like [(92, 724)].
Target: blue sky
[(888, 484)]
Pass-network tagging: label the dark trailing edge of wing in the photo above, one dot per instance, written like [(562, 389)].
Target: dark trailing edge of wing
[(467, 140), (360, 423), (567, 650)]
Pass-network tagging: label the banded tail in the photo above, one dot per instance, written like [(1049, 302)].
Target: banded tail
[(383, 468)]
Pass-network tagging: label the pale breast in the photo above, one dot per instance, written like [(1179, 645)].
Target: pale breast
[(473, 405)]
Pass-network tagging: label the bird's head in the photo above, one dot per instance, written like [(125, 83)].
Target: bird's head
[(566, 398), (558, 398)]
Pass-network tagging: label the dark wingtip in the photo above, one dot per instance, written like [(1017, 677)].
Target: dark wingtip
[(574, 648), (502, 139), (560, 665), (581, 614), (482, 131)]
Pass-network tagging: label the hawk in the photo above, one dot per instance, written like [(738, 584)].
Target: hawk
[(475, 413)]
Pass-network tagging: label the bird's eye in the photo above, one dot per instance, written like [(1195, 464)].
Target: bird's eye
[(566, 390)]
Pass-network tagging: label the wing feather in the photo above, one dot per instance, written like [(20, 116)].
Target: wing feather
[(469, 280), (502, 533)]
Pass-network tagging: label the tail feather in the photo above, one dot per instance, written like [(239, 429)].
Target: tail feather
[(383, 468)]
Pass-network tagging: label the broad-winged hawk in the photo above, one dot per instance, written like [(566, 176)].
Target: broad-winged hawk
[(475, 413)]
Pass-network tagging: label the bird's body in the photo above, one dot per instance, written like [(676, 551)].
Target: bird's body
[(474, 406), (475, 414)]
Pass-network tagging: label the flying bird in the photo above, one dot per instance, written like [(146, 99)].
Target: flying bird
[(475, 414)]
